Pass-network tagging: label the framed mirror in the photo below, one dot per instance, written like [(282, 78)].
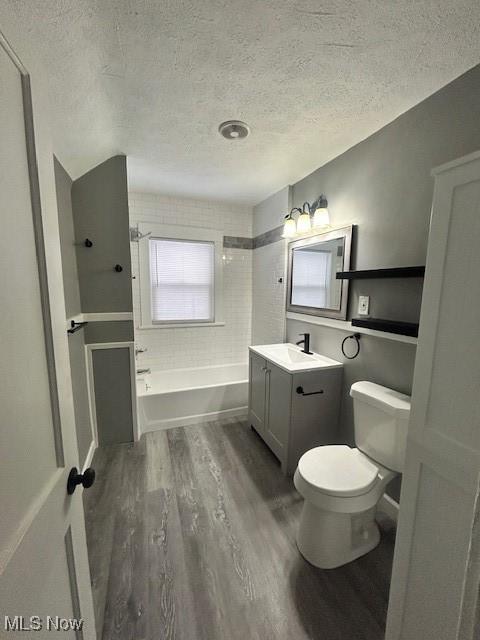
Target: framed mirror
[(313, 262)]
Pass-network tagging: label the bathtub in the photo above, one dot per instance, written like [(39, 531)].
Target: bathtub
[(190, 396)]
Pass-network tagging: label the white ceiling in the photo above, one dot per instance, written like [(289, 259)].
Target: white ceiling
[(153, 79)]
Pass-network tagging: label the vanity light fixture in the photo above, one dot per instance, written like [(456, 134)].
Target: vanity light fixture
[(314, 216), (321, 217), (304, 223), (290, 226)]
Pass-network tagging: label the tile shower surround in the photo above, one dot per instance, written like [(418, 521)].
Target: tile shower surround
[(179, 348)]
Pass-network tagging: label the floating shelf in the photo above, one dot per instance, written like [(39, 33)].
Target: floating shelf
[(394, 272), (391, 326)]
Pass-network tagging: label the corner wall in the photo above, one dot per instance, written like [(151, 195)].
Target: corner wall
[(100, 207), (269, 269), (96, 207), (76, 341)]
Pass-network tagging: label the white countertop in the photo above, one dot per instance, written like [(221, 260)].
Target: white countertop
[(291, 358)]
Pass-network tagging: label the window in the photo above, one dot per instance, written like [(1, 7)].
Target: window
[(311, 275), (180, 276)]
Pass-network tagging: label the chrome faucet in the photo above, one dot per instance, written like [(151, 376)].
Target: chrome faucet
[(305, 342)]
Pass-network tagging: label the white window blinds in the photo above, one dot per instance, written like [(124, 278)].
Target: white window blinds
[(310, 278), (182, 275)]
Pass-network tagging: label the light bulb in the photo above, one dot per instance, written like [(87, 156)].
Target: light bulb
[(289, 228), (321, 217), (303, 222)]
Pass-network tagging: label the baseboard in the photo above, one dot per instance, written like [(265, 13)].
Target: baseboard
[(90, 454), (389, 506), (160, 425)]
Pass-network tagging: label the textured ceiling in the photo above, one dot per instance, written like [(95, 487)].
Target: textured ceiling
[(153, 79)]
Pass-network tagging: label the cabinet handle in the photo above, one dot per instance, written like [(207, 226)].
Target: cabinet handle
[(265, 369), (301, 392)]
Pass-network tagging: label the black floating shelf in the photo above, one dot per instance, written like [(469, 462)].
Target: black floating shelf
[(394, 272), (392, 326)]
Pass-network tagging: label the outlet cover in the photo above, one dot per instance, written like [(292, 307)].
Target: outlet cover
[(363, 305)]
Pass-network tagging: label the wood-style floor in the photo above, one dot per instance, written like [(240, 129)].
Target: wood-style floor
[(191, 535)]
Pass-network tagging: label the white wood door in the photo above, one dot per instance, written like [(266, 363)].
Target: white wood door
[(43, 559), (435, 581)]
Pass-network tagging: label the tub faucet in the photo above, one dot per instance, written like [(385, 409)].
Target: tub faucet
[(139, 371), (305, 342)]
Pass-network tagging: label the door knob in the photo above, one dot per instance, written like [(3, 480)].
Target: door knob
[(86, 479)]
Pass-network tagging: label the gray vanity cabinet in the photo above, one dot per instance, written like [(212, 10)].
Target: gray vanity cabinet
[(277, 410), (257, 392), (293, 412)]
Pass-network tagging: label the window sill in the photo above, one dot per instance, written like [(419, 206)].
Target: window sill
[(183, 325)]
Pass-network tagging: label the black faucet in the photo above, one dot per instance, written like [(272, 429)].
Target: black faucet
[(305, 342)]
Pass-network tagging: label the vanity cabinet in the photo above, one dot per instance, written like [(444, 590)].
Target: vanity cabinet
[(293, 411)]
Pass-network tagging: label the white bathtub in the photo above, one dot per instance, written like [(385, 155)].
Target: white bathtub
[(190, 396)]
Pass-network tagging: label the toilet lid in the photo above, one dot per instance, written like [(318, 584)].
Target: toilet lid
[(338, 470)]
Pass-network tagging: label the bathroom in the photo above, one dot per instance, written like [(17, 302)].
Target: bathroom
[(245, 291)]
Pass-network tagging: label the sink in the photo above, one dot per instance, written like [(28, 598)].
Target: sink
[(289, 353), (291, 358)]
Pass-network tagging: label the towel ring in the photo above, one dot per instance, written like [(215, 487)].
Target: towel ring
[(354, 336)]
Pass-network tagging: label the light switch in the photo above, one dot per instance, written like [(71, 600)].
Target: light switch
[(363, 305)]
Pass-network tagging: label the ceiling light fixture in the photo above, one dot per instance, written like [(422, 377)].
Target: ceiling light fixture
[(311, 216), (234, 129)]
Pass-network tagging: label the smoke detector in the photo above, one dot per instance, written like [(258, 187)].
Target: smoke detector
[(234, 129)]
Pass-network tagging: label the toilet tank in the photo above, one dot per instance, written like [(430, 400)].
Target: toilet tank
[(381, 423)]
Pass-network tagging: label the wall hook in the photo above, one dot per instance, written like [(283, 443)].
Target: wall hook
[(88, 243), (118, 268)]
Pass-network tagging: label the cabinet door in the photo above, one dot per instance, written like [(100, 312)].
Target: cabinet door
[(315, 412), (279, 386), (257, 392)]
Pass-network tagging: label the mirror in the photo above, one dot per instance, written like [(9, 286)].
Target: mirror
[(313, 263)]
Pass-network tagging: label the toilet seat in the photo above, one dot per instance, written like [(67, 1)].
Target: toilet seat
[(338, 470), (341, 479)]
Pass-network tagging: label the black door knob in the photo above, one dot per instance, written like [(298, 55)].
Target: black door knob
[(86, 479)]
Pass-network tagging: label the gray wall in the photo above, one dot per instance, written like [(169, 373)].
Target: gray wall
[(116, 331), (100, 206), (63, 184), (100, 213), (383, 185), (76, 342), (96, 206), (113, 395)]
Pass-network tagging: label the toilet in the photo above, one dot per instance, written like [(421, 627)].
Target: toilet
[(342, 485)]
